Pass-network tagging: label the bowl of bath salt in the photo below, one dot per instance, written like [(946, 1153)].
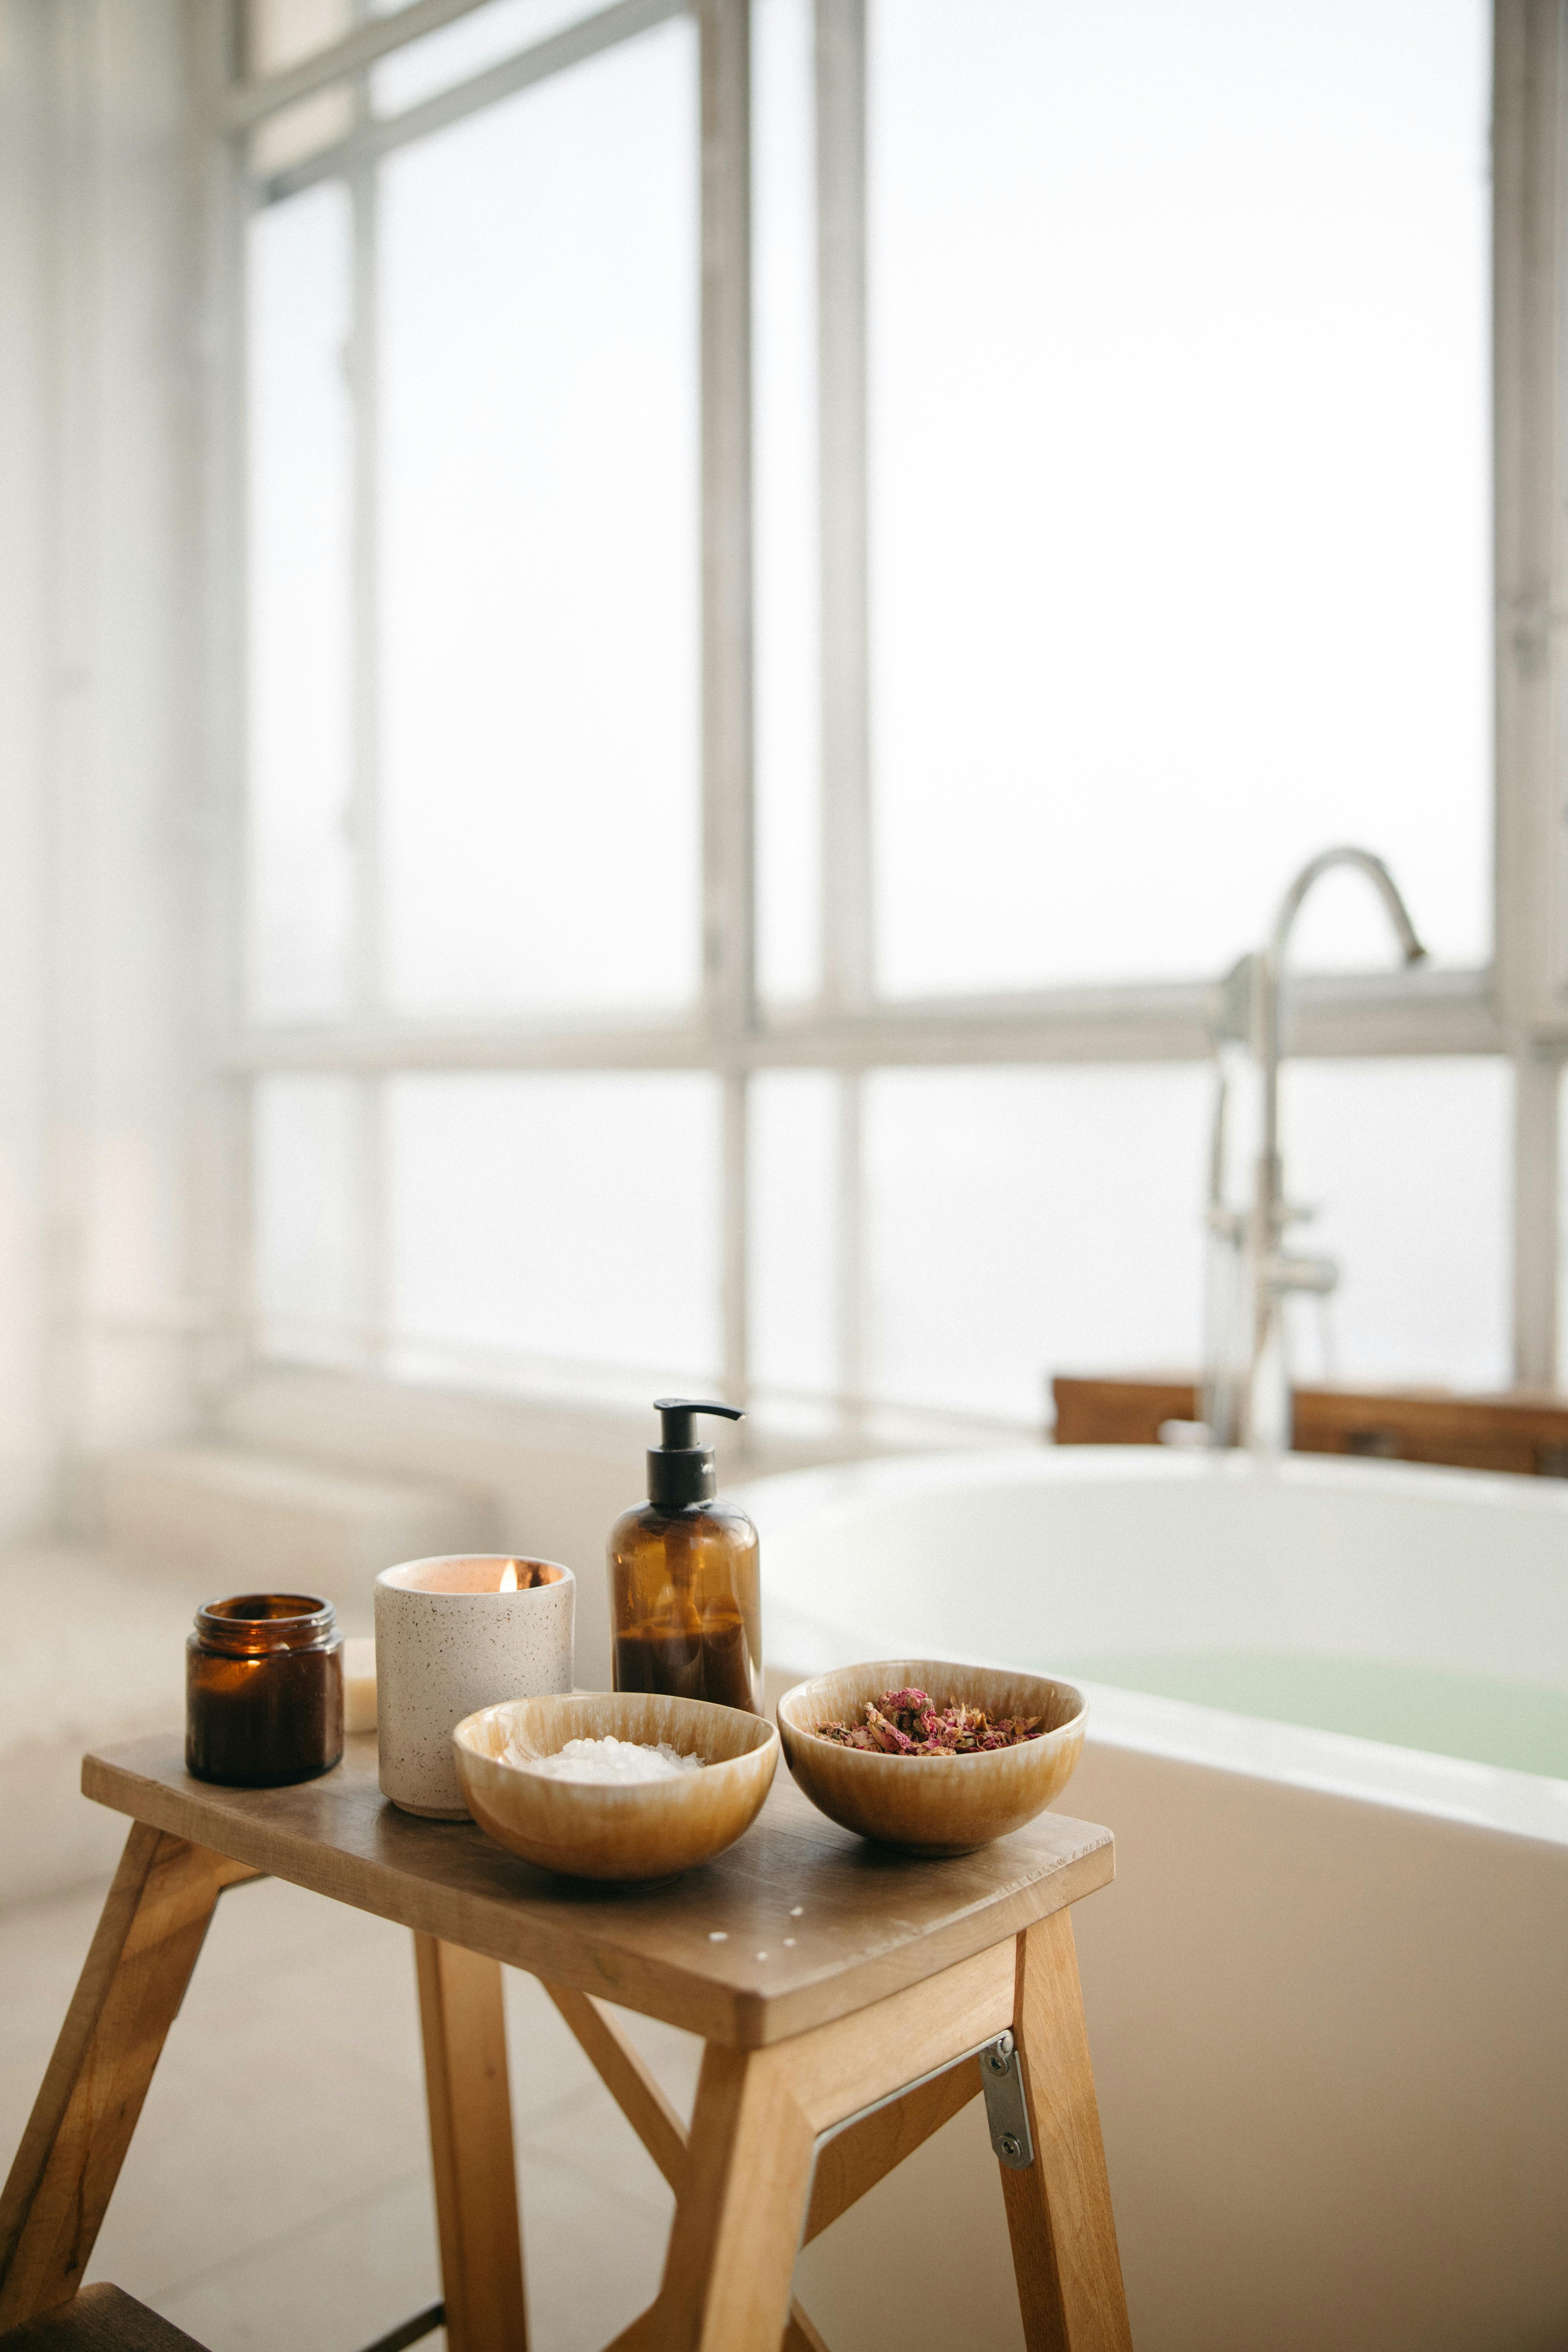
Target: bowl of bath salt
[(615, 1784)]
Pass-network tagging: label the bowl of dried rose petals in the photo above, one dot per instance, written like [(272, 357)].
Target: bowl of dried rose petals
[(929, 1757)]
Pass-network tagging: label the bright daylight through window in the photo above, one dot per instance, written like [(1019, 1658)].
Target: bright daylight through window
[(806, 986)]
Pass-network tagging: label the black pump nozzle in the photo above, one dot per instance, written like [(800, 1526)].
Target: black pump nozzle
[(676, 1413), (679, 1472)]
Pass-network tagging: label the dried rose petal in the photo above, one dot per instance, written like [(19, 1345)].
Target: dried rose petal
[(906, 1723), (887, 1737)]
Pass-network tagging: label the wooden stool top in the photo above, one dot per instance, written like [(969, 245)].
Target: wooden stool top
[(799, 1923)]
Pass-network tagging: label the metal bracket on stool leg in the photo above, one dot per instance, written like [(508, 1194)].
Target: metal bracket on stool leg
[(1006, 2111)]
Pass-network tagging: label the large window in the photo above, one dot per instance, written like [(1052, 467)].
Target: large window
[(1179, 478), (537, 545), (812, 570)]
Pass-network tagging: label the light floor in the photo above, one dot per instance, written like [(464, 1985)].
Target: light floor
[(277, 2191)]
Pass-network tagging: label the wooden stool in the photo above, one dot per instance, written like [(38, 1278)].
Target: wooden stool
[(840, 1991)]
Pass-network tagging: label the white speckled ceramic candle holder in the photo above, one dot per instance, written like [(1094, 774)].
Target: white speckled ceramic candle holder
[(449, 1639)]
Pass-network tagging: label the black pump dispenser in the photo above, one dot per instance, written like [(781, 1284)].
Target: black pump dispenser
[(680, 1473)]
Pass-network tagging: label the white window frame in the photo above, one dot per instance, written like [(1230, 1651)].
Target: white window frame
[(1518, 1007)]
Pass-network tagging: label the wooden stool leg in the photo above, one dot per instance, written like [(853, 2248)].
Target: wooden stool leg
[(466, 2086), (128, 1996), (738, 2222), (1058, 2211)]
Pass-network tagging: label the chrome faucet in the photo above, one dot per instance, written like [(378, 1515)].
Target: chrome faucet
[(1247, 1390)]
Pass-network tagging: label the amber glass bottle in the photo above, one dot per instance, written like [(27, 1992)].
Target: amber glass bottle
[(685, 1607)]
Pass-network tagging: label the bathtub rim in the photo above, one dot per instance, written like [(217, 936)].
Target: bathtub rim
[(1485, 1797)]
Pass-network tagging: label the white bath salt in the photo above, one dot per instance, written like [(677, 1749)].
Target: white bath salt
[(798, 1911), (610, 1760), (762, 1956), (789, 1943), (718, 1934)]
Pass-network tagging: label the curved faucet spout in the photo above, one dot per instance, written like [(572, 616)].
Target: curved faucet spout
[(1272, 1272), (1273, 972)]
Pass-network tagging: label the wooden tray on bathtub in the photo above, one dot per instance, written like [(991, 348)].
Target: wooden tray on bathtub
[(1522, 1430)]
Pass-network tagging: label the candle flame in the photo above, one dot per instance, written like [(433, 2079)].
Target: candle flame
[(508, 1577)]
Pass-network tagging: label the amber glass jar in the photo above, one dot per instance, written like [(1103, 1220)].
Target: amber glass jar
[(264, 1690)]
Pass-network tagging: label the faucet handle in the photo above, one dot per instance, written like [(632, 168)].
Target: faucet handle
[(1233, 1020), (1283, 1273)]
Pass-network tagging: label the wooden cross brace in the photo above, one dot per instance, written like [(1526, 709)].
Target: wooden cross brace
[(755, 2180)]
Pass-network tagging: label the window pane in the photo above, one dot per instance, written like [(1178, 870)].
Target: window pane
[(1179, 360), (1030, 1221), (464, 49), (794, 1240), (1408, 1164), (300, 481), (279, 33), (788, 610), (305, 1142), (294, 133), (540, 662), (570, 1221)]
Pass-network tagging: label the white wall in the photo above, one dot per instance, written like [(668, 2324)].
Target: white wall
[(99, 457)]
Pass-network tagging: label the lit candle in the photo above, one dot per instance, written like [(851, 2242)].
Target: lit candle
[(453, 1636)]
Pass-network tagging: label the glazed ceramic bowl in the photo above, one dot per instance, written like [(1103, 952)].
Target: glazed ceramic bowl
[(591, 1829), (932, 1804)]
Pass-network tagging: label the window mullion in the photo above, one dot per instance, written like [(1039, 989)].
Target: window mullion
[(841, 381), (728, 987), (246, 101), (223, 1243), (364, 811), (368, 978), (1529, 147)]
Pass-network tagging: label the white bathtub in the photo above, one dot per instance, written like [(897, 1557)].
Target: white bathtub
[(1328, 1994)]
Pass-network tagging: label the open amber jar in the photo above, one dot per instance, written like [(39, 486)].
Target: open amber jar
[(264, 1690)]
